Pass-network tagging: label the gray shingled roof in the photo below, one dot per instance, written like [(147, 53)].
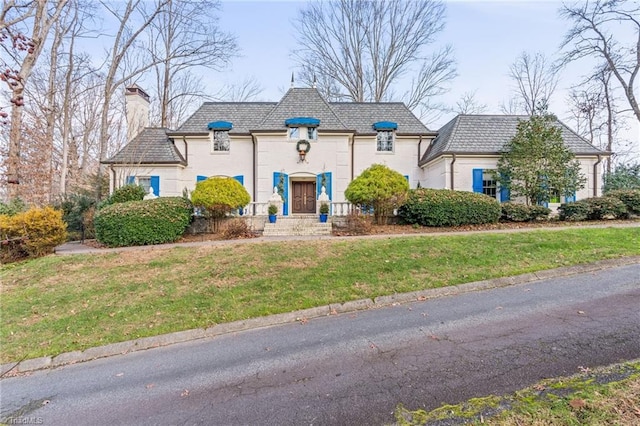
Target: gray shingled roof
[(302, 102), (150, 146), (360, 116), (244, 116), (488, 134)]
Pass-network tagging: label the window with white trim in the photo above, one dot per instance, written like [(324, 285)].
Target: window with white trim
[(221, 140), (294, 132), (489, 184), (312, 133), (384, 141), (145, 182)]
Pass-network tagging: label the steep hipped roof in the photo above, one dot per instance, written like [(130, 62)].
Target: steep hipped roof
[(488, 134), (150, 146), (360, 116), (244, 116), (305, 102)]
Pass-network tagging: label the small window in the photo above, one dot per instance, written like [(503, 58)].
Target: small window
[(221, 140), (385, 141), (555, 196), (145, 182), (489, 184), (294, 132), (312, 133)]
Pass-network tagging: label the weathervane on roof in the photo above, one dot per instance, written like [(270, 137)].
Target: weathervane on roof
[(292, 79), (315, 81)]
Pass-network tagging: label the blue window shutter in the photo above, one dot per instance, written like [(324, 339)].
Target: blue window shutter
[(407, 178), (155, 184), (570, 198), (131, 180), (276, 181), (327, 176), (505, 194), (239, 178), (200, 177), (477, 180)]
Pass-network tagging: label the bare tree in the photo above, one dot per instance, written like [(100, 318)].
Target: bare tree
[(35, 18), (467, 104), (358, 49), (535, 79), (186, 36), (593, 34), (247, 90)]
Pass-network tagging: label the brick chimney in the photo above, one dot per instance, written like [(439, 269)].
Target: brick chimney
[(137, 108)]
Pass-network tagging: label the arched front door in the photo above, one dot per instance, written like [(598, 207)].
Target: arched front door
[(303, 197)]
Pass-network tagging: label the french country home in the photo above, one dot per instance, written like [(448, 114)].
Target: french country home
[(302, 144)]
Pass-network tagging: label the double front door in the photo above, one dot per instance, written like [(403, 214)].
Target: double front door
[(304, 197)]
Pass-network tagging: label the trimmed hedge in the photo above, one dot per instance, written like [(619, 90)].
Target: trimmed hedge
[(129, 192), (33, 233), (597, 208), (442, 207), (517, 212), (630, 198), (156, 221)]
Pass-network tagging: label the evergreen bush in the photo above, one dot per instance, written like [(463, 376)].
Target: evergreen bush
[(630, 198), (124, 194), (517, 212), (442, 207), (596, 208), (156, 221)]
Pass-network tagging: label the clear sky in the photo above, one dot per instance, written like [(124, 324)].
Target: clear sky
[(487, 36)]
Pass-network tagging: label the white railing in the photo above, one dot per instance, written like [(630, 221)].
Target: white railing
[(337, 208)]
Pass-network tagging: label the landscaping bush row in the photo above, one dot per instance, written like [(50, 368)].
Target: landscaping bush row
[(516, 212), (619, 204), (33, 233), (156, 221), (442, 207)]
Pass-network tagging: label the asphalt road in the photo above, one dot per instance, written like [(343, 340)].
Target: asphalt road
[(352, 368)]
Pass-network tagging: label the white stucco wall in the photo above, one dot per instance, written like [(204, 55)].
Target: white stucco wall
[(403, 159), (170, 177)]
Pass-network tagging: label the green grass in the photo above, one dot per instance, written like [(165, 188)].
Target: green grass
[(608, 395), (62, 303)]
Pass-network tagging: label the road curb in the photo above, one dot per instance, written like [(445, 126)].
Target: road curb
[(144, 343)]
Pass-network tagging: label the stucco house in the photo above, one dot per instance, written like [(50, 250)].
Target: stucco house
[(303, 142)]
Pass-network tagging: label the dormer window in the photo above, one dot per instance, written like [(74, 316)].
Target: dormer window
[(385, 135), (302, 127), (312, 133), (294, 132)]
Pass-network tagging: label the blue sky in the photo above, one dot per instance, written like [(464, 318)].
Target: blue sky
[(487, 36)]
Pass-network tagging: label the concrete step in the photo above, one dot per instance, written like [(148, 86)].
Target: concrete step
[(296, 225)]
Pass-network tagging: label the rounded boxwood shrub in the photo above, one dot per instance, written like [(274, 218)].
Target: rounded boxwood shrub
[(630, 198), (517, 212), (442, 207), (157, 221), (575, 212)]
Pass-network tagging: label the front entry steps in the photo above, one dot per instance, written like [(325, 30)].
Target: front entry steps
[(296, 225)]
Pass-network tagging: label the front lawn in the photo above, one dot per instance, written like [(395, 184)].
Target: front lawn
[(57, 304)]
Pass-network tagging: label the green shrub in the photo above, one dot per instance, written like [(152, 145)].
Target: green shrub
[(517, 212), (156, 221), (630, 198), (75, 208), (574, 212), (442, 207), (380, 187), (124, 194), (33, 233), (596, 208), (220, 195), (13, 207), (606, 208)]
